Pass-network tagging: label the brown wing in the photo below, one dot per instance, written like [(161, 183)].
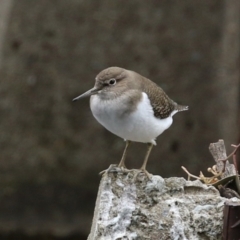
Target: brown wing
[(161, 103)]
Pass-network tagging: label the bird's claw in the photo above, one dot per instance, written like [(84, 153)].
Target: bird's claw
[(111, 168), (142, 171)]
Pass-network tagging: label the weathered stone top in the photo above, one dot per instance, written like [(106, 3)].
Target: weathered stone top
[(131, 206)]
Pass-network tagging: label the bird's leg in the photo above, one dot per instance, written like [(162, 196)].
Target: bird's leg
[(122, 162), (143, 168), (150, 145), (121, 165)]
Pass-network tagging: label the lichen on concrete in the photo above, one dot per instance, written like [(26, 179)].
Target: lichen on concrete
[(131, 206)]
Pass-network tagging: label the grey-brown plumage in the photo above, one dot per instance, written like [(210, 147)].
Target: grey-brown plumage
[(162, 105), (132, 107)]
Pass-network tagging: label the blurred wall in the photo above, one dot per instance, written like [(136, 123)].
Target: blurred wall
[(50, 51)]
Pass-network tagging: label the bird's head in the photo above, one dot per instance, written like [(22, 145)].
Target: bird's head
[(109, 83)]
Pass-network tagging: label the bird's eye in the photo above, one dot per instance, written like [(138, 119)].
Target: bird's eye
[(112, 81)]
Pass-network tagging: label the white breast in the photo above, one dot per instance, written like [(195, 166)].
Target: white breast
[(139, 126)]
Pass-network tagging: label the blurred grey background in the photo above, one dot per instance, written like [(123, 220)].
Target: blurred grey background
[(50, 52)]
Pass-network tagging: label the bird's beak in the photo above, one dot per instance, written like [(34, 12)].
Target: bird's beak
[(87, 94)]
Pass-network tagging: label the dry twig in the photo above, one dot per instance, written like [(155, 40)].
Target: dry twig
[(216, 174)]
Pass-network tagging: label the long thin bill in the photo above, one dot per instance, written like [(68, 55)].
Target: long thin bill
[(86, 94)]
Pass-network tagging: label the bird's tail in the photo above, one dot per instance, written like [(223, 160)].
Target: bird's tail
[(182, 108)]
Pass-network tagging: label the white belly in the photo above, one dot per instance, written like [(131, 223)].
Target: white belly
[(138, 126)]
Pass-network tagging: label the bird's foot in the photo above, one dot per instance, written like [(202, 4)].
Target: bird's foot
[(113, 168), (141, 172)]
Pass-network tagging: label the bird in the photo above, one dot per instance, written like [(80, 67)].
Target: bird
[(132, 107)]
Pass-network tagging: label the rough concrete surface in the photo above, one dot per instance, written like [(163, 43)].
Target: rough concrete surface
[(130, 206)]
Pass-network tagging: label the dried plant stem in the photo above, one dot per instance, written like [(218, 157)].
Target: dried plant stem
[(189, 174)]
